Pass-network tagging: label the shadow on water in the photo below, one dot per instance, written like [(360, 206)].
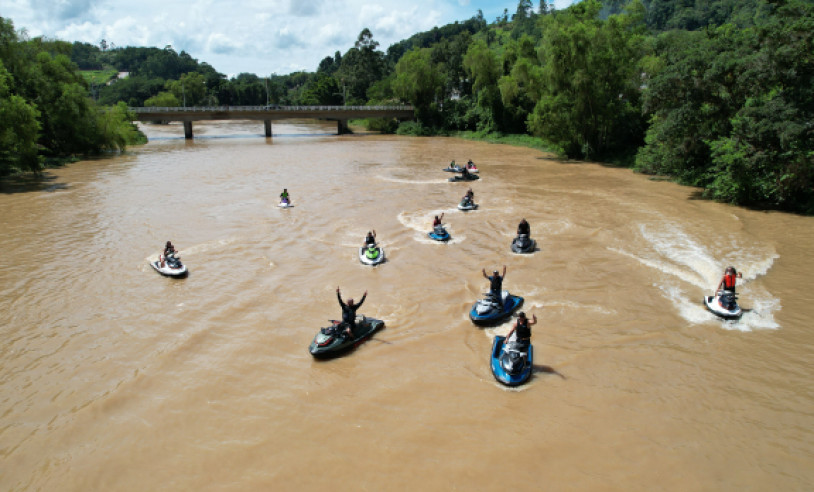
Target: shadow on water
[(29, 182), (547, 370)]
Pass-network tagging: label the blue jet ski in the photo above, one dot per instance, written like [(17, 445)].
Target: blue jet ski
[(439, 234), (487, 311), (511, 361)]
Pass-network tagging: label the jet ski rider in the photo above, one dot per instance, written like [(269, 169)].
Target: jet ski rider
[(470, 196), (465, 173), (370, 240), (349, 312), (496, 284), (284, 197), (523, 329), (524, 228), (727, 283), (169, 251), (437, 221)]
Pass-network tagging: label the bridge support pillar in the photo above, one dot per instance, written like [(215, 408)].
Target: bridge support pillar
[(267, 124), (188, 130), (342, 127)]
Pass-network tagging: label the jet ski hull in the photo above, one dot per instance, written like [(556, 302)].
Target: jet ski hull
[(439, 235), (523, 246), (169, 272), (331, 341), (712, 304), (499, 370), (471, 177), (366, 260), (484, 314)]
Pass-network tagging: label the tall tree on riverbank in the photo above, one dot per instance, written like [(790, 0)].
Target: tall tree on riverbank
[(45, 107), (590, 101)]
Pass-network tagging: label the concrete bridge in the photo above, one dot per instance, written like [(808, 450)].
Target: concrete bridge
[(340, 114)]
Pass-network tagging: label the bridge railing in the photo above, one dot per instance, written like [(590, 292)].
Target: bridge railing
[(194, 109)]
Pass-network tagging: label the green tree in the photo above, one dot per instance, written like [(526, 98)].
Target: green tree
[(163, 100), (590, 102), (19, 130), (190, 89), (420, 82)]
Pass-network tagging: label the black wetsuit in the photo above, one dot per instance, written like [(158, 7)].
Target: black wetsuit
[(524, 228), (496, 288), (370, 240), (349, 313), (523, 330)]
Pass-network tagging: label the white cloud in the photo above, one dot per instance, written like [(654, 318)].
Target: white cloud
[(269, 36)]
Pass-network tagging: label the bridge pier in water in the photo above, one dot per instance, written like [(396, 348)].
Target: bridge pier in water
[(342, 127), (188, 130), (267, 124)]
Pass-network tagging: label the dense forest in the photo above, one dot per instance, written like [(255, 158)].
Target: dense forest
[(713, 93), (46, 113)]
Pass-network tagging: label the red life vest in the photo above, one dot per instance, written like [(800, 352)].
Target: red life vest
[(729, 282)]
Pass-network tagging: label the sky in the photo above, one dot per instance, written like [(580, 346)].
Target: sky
[(263, 37)]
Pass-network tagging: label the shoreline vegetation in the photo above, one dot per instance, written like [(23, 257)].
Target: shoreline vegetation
[(715, 95)]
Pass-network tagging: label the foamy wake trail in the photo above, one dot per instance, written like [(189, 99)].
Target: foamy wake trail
[(421, 222), (411, 181), (679, 255)]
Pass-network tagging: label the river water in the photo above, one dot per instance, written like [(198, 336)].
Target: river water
[(115, 378)]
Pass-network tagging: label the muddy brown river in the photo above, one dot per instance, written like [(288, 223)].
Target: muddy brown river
[(113, 377)]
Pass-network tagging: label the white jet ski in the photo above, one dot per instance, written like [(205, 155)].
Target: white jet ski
[(724, 304), (371, 255), (172, 267)]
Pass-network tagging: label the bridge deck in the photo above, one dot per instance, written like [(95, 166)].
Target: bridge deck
[(268, 113)]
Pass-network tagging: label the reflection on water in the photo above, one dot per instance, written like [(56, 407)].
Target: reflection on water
[(114, 377)]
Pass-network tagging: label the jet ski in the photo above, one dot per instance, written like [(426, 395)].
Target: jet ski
[(371, 254), (453, 169), (724, 304), (172, 267), (523, 244), (467, 204), (285, 203), (439, 234), (464, 177), (334, 340), (472, 169), (511, 360), (487, 311)]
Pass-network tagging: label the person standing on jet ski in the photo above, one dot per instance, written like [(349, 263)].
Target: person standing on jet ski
[(437, 221), (727, 283), (524, 228), (465, 173), (496, 284), (370, 240), (284, 198), (349, 312), (523, 329), (470, 196)]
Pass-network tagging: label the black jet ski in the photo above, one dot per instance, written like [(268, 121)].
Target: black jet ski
[(523, 244), (334, 340), (724, 304), (172, 267), (511, 360), (467, 204), (371, 254), (464, 177)]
